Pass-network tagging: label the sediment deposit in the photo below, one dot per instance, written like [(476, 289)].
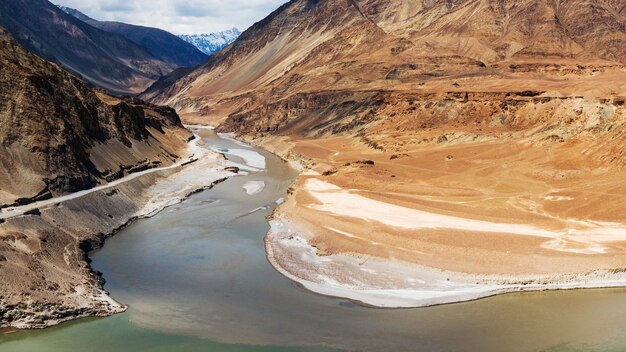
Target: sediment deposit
[(481, 139)]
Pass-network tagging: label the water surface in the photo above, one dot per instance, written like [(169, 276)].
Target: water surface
[(196, 279)]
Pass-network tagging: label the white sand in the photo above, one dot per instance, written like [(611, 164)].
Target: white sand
[(176, 187), (252, 160), (392, 284), (254, 187), (388, 283), (199, 127), (310, 173), (340, 232), (231, 137), (342, 202), (250, 157)]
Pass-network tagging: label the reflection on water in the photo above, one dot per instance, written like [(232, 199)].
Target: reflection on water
[(196, 279)]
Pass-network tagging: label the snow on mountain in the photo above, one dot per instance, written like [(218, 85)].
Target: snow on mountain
[(213, 42)]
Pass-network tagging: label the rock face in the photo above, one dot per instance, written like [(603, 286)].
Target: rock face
[(104, 59), (161, 44), (57, 135), (313, 50)]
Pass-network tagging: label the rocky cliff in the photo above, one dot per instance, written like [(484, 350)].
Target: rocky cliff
[(57, 135)]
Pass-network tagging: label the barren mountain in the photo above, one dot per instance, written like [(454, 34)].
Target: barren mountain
[(497, 111), (104, 59), (57, 135), (163, 45), (329, 47), (401, 46)]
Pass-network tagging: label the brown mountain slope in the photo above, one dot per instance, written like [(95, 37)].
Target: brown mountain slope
[(530, 28), (267, 51), (508, 114), (57, 135), (104, 59), (395, 45)]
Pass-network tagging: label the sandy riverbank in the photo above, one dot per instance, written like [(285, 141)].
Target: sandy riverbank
[(7, 331), (392, 284), (405, 231), (47, 277)]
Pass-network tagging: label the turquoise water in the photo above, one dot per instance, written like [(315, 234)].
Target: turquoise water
[(196, 279), (119, 333)]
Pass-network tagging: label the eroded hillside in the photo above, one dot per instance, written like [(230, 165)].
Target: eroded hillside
[(502, 119), (576, 48), (106, 60), (57, 135)]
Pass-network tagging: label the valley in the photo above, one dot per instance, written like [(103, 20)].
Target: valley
[(495, 144), (195, 276), (78, 166), (334, 158)]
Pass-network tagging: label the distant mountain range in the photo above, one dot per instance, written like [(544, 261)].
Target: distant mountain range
[(161, 44), (121, 58), (185, 50), (103, 59), (213, 42)]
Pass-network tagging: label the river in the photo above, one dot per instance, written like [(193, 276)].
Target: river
[(196, 278)]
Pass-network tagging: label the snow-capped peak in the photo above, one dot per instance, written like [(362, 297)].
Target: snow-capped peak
[(212, 42)]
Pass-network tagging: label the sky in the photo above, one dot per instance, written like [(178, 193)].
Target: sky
[(178, 16)]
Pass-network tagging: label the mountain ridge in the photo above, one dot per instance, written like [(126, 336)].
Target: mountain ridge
[(103, 59), (423, 47), (160, 43), (75, 137)]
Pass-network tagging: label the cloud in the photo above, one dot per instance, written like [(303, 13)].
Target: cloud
[(117, 6), (190, 9), (178, 16)]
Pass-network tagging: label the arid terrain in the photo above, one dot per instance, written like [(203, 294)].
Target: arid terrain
[(474, 142), (120, 58), (60, 136), (448, 150), (77, 166)]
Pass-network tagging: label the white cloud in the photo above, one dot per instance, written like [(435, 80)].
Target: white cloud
[(178, 16)]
